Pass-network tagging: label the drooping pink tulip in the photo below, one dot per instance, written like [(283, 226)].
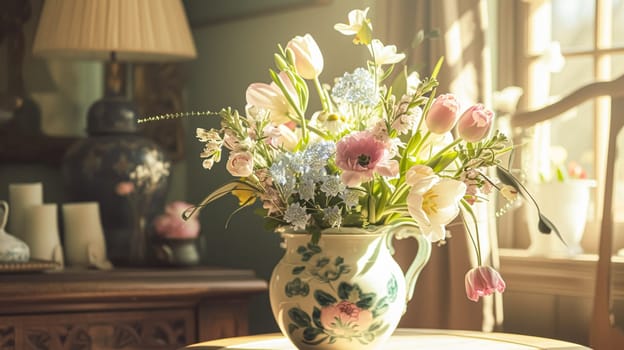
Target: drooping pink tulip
[(475, 123), (442, 115), (481, 281)]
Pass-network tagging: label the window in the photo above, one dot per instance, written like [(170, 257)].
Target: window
[(590, 34)]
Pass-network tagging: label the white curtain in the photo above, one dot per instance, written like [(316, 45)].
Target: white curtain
[(439, 300)]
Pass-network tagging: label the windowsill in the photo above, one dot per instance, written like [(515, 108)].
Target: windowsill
[(568, 276)]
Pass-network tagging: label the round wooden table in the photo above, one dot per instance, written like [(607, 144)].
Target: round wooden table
[(412, 339)]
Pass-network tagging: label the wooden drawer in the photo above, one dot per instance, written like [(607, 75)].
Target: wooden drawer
[(143, 329)]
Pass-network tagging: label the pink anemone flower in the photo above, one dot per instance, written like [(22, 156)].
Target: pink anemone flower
[(361, 155)]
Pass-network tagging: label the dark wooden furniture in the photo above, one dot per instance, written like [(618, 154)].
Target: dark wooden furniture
[(124, 308)]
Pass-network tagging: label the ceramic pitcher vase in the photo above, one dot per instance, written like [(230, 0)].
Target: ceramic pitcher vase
[(347, 291)]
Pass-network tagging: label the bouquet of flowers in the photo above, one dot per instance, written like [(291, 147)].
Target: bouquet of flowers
[(378, 152)]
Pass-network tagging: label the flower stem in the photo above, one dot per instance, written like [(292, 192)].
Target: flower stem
[(477, 244), (322, 95)]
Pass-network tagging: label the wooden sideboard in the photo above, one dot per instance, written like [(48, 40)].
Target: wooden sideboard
[(124, 308)]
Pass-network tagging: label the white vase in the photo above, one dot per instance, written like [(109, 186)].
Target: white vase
[(84, 236), (12, 249), (566, 204), (22, 196), (346, 292), (41, 233)]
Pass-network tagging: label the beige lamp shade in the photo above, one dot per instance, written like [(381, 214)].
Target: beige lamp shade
[(136, 30)]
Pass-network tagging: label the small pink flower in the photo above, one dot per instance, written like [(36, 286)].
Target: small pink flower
[(240, 164), (576, 171), (475, 123), (344, 316), (443, 114), (281, 136), (124, 188), (482, 281), (172, 225), (361, 155)]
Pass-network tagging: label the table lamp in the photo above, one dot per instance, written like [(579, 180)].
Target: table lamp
[(114, 155)]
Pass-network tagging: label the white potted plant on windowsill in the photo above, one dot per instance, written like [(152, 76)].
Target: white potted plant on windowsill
[(564, 196)]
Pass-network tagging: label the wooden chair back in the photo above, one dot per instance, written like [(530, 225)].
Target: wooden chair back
[(602, 333)]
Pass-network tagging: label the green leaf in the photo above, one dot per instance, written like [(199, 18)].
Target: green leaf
[(381, 307), (292, 327), (399, 84), (442, 161), (344, 290), (296, 287), (393, 288), (311, 333), (299, 317), (437, 68), (366, 300), (313, 247), (297, 270), (374, 326), (560, 175), (323, 298), (218, 193), (544, 224), (322, 262), (316, 317)]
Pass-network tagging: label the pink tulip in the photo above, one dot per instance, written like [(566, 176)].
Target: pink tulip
[(475, 123), (361, 155), (172, 225), (442, 114), (483, 280), (308, 56), (269, 97)]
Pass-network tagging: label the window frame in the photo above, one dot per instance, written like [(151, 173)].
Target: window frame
[(519, 34)]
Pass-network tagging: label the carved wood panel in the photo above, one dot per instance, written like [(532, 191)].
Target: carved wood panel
[(164, 329)]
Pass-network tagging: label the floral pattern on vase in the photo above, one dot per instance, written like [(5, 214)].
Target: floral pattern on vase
[(346, 292)]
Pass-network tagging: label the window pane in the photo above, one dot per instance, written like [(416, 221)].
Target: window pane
[(618, 23), (574, 130), (573, 24), (576, 72), (617, 66)]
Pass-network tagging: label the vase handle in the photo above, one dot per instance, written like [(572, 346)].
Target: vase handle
[(5, 214), (402, 231)]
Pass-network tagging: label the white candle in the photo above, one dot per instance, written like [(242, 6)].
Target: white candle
[(84, 237), (41, 232), (22, 196)]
